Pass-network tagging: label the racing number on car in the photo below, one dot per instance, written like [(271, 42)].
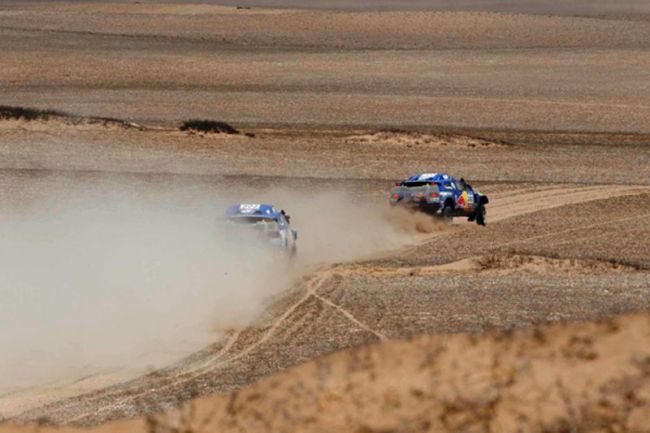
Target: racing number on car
[(249, 207)]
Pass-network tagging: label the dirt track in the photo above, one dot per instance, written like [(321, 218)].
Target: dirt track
[(539, 260), (330, 309)]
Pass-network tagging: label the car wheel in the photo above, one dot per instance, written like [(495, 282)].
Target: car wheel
[(480, 215), (447, 214)]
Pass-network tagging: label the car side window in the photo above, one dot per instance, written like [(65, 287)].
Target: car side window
[(449, 186), (464, 186)]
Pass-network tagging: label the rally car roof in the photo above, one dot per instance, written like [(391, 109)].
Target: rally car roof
[(429, 177), (260, 210)]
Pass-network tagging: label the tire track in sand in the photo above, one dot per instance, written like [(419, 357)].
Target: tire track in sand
[(521, 204), (502, 207), (312, 286), (506, 206)]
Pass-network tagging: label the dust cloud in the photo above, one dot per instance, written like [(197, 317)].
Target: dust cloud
[(121, 283), (334, 226)]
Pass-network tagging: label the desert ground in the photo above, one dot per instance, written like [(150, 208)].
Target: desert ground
[(122, 311)]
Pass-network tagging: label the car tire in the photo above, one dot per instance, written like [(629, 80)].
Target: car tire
[(447, 214), (480, 215)]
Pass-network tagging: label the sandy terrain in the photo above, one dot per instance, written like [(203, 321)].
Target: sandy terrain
[(588, 377), (547, 114), (305, 67), (518, 271), (600, 8)]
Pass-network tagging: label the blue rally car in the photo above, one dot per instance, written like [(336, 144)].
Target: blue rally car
[(266, 222), (441, 195)]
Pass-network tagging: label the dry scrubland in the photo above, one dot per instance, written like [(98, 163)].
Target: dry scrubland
[(548, 115)]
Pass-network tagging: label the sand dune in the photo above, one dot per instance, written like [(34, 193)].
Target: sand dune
[(588, 376)]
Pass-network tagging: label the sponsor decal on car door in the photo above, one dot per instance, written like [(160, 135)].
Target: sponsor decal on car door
[(470, 200), (461, 201), (465, 201)]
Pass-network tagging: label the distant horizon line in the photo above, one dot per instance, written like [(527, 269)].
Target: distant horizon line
[(592, 8)]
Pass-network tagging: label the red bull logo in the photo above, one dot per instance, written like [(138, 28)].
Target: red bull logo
[(462, 200)]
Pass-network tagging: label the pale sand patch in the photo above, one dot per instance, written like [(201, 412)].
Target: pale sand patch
[(493, 265), (397, 137)]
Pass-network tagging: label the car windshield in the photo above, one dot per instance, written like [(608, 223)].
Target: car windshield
[(415, 183)]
